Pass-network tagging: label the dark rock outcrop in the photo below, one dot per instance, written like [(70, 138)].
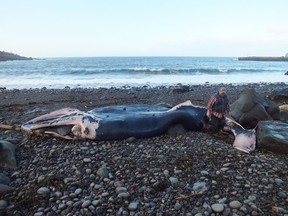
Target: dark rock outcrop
[(260, 58), (251, 107), (284, 116), (5, 56), (273, 136), (284, 113), (180, 89), (279, 94)]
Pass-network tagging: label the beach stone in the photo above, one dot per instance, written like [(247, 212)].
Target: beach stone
[(123, 195), (78, 191), (103, 172), (4, 189), (62, 206), (251, 107), (200, 186), (177, 206), (273, 136), (41, 178), (3, 204), (283, 115), (278, 181), (77, 204), (121, 190), (224, 169), (7, 154), (118, 184), (282, 194), (173, 180), (87, 160), (43, 191), (88, 171), (96, 202), (235, 204), (252, 198), (86, 203), (69, 180), (279, 94), (180, 89), (166, 172), (227, 212), (105, 194), (133, 206), (98, 186), (204, 172), (4, 179), (217, 207)]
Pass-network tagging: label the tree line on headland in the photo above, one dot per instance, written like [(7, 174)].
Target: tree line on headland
[(264, 58), (5, 56)]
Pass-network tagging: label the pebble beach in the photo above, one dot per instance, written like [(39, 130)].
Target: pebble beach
[(192, 173)]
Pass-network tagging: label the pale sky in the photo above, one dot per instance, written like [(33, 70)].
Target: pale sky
[(80, 28)]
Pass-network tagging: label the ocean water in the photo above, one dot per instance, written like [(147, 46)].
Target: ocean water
[(97, 72)]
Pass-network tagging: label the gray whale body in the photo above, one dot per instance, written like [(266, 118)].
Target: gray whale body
[(139, 121)]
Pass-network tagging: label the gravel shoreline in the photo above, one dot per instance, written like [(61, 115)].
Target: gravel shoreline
[(195, 173)]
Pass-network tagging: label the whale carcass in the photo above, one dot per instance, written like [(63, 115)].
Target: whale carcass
[(138, 120)]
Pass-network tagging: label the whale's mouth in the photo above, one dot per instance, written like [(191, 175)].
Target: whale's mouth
[(65, 123), (245, 140), (63, 131)]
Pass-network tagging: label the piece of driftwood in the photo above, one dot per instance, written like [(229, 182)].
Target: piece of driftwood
[(10, 127)]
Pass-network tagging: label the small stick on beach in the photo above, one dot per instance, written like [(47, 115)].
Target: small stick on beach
[(9, 127)]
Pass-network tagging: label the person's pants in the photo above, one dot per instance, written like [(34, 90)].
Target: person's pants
[(217, 123)]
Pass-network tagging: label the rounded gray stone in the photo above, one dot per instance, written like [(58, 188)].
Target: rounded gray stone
[(123, 195), (78, 191), (62, 206), (43, 191), (217, 207), (173, 180), (86, 203), (121, 190), (4, 179), (177, 206), (133, 206), (235, 204), (3, 204), (87, 160), (278, 181), (103, 172)]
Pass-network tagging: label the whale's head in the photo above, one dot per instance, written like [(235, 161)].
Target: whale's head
[(64, 123), (245, 140)]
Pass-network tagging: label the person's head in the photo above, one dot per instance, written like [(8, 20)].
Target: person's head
[(222, 91)]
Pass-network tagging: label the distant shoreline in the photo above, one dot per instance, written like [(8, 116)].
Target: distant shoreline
[(5, 56), (260, 58)]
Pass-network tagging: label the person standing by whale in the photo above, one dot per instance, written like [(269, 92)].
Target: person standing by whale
[(217, 108)]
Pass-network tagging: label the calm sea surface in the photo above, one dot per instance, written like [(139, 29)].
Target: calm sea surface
[(96, 72)]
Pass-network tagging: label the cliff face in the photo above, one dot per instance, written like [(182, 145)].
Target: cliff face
[(5, 56), (259, 58)]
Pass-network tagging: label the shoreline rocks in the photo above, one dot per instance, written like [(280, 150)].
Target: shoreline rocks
[(141, 166)]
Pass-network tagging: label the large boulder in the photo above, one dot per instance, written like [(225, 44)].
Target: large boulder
[(273, 136), (284, 113), (279, 94), (251, 107), (7, 154)]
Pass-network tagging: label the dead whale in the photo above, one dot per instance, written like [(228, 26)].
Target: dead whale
[(121, 122)]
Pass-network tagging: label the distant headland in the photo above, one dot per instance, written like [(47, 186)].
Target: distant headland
[(263, 58), (5, 56)]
